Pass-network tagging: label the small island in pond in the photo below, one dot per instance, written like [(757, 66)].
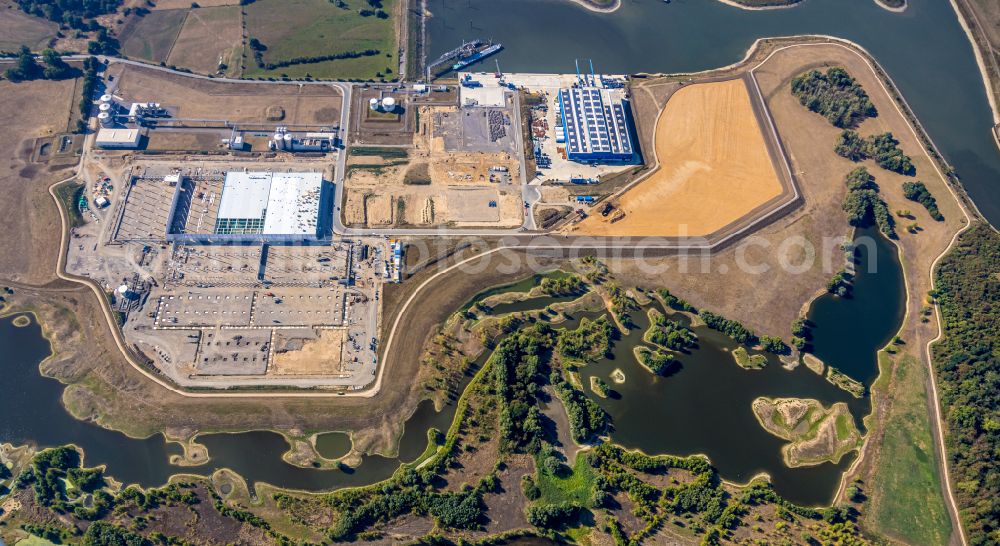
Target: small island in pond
[(815, 434)]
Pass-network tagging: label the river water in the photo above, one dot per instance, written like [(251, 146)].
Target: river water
[(923, 49)]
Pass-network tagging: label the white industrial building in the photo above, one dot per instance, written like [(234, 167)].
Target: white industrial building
[(270, 204), (124, 139), (309, 142)]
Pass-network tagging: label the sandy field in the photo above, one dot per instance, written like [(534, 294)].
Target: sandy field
[(209, 36), (32, 109), (429, 206), (320, 356), (714, 168), (237, 102)]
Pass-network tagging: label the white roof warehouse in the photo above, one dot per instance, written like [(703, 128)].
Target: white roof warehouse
[(270, 204)]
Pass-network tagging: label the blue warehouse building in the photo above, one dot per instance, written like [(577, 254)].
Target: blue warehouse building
[(595, 124)]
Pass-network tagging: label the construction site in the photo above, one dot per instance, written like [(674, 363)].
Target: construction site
[(460, 166)]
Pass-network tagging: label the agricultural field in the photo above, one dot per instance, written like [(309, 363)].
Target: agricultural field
[(152, 36), (708, 144), (250, 102), (18, 28), (210, 37), (295, 29)]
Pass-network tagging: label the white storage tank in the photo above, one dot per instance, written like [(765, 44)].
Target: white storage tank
[(373, 103), (104, 119), (279, 143), (388, 104), (105, 98), (288, 142), (105, 107)]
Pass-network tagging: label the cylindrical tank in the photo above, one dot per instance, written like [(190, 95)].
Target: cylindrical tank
[(278, 142), (288, 142), (389, 104), (373, 103), (105, 98), (105, 119), (105, 107)]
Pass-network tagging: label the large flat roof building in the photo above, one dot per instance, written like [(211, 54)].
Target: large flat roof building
[(270, 204), (118, 138), (595, 124)]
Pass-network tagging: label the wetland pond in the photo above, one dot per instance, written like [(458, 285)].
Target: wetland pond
[(33, 413), (703, 406)]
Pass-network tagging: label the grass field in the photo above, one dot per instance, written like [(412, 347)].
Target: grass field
[(70, 193), (152, 37), (714, 168), (209, 36), (310, 28), (905, 496), (18, 28), (574, 486)]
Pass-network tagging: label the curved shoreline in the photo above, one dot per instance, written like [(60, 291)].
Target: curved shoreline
[(590, 6)]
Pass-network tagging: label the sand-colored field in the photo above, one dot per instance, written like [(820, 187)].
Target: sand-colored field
[(210, 36), (237, 102), (430, 206), (320, 356), (714, 168)]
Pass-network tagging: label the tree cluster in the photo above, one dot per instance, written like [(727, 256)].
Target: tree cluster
[(591, 340), (835, 95), (864, 205), (967, 361), (78, 14), (917, 191), (729, 327), (553, 516), (674, 302), (259, 58), (586, 419), (27, 68), (883, 148), (564, 286), (670, 334), (657, 362)]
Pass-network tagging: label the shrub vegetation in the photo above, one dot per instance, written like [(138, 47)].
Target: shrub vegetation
[(835, 95)]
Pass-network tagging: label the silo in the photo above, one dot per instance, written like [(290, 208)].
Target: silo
[(288, 142), (279, 143), (105, 98), (105, 119)]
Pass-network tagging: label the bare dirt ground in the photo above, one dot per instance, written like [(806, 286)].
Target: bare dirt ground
[(320, 356), (32, 109), (237, 102), (714, 168), (18, 28)]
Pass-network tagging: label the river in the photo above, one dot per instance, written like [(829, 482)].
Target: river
[(924, 50)]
